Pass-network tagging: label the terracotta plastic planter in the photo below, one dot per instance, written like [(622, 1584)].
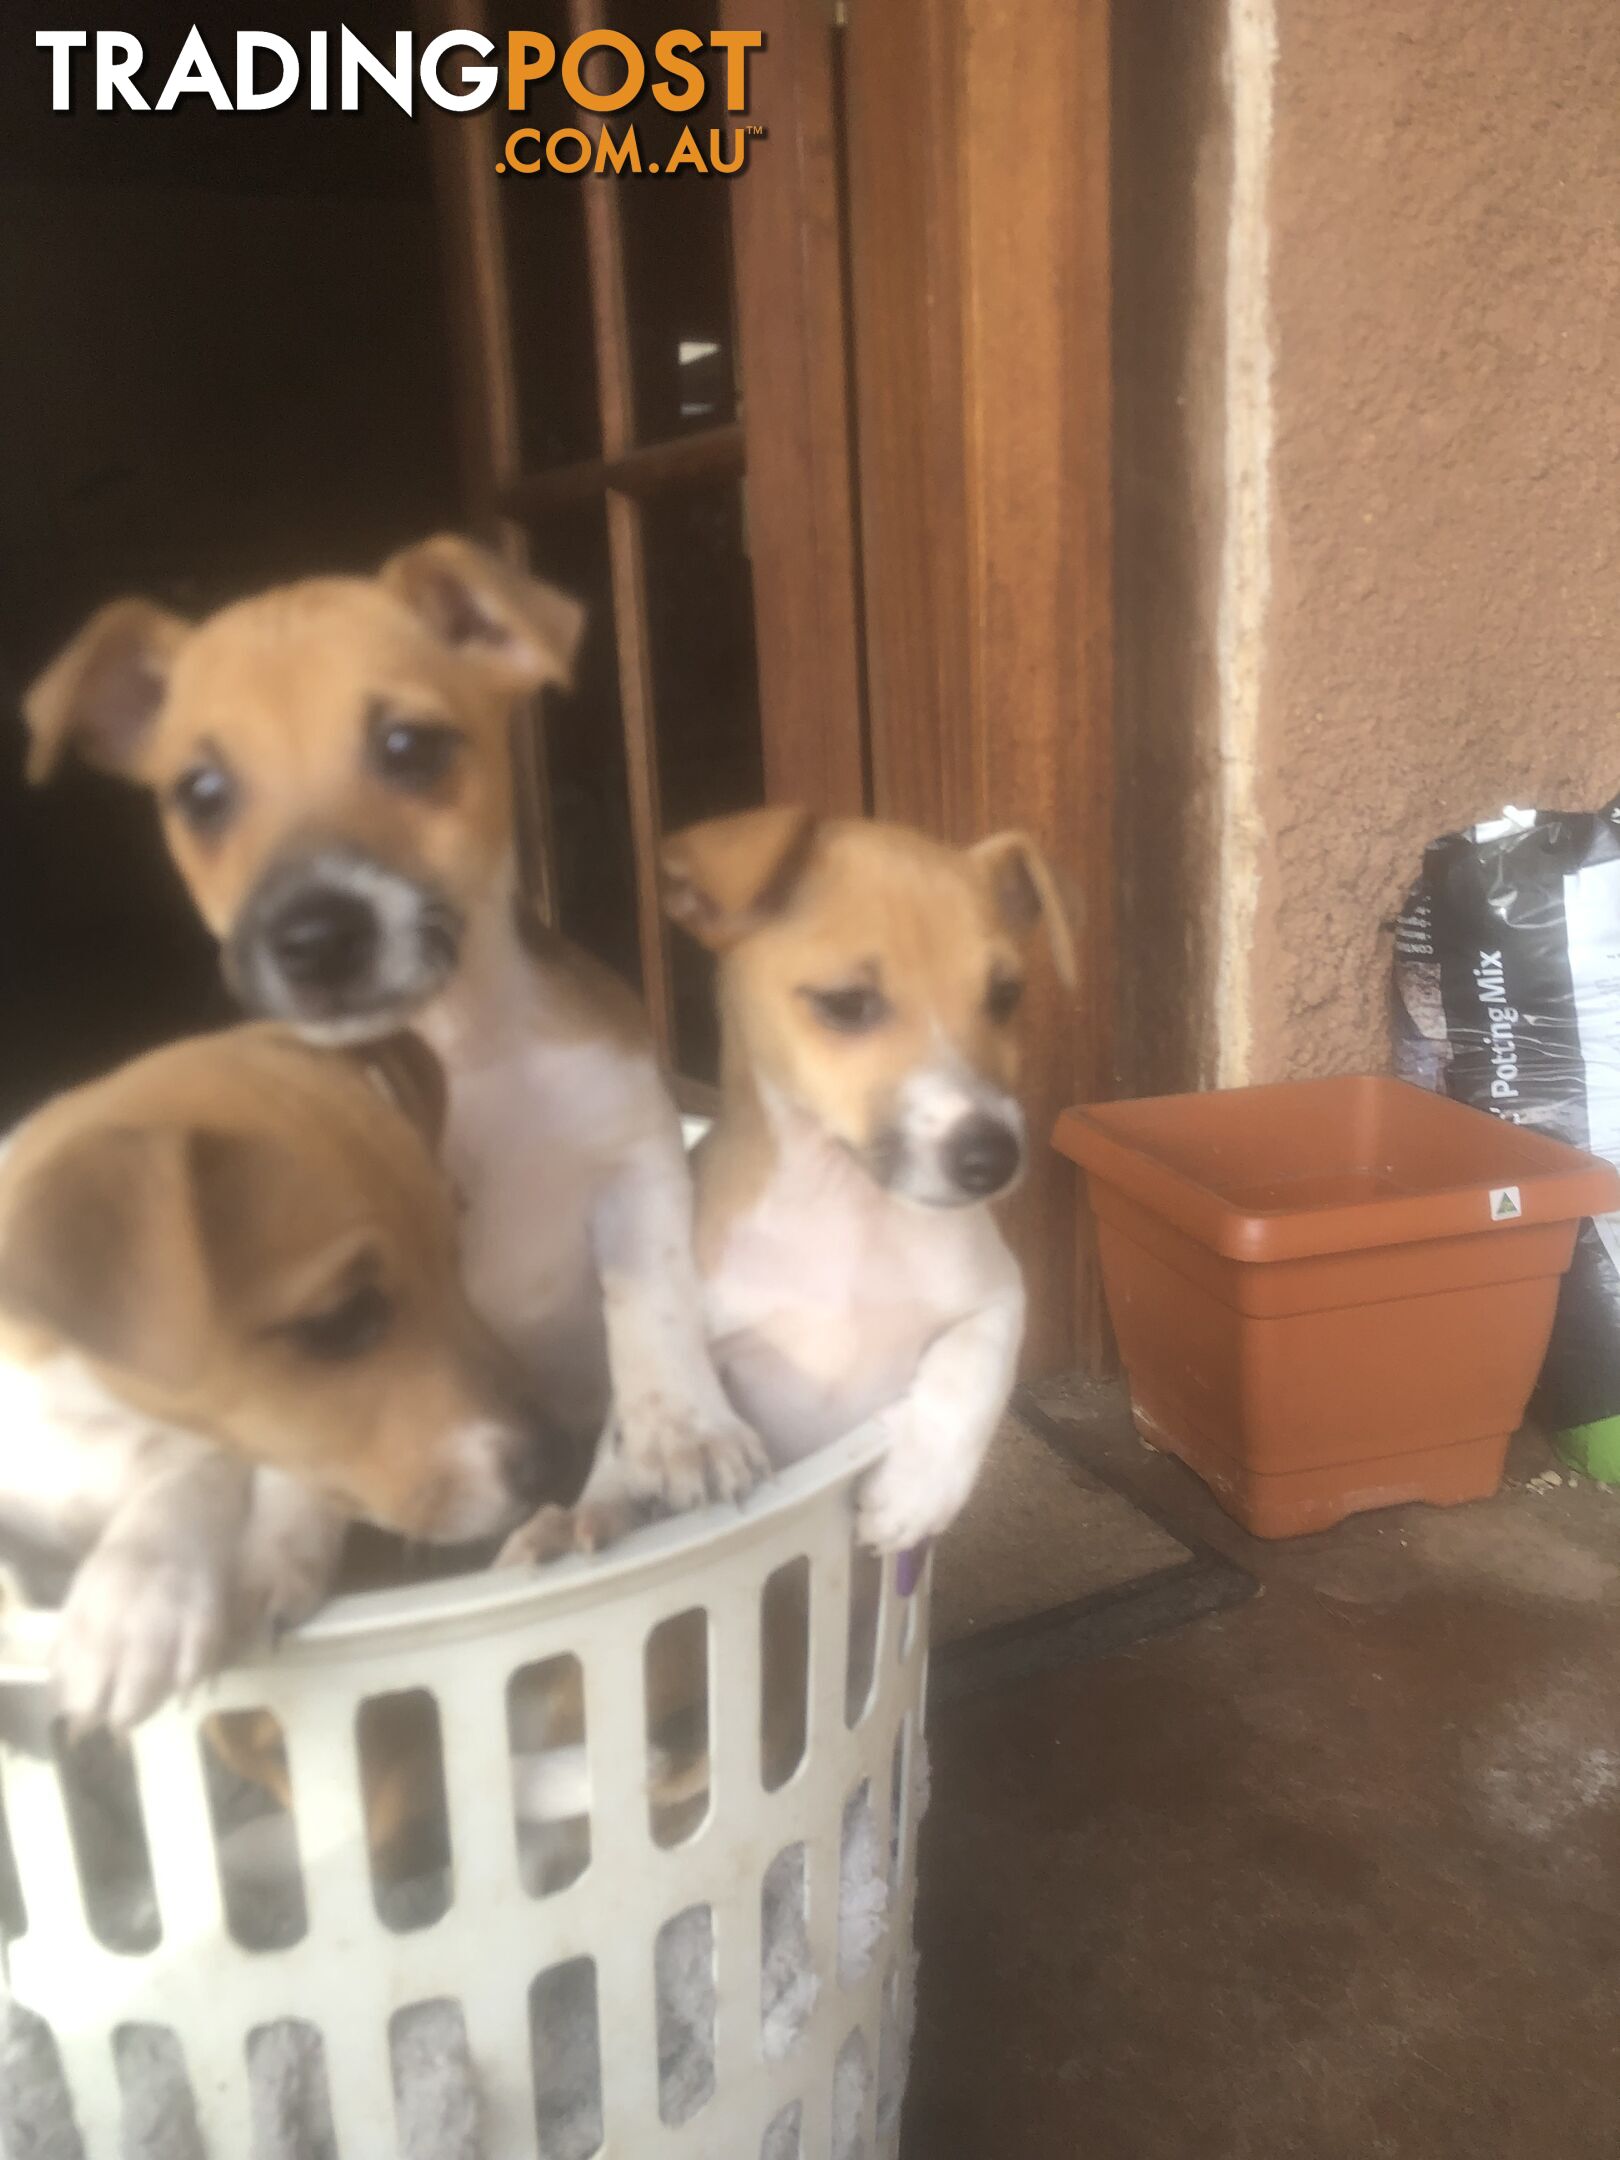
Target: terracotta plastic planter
[(1331, 1294)]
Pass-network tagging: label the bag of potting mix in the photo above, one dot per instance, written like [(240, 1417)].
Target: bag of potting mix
[(1507, 996)]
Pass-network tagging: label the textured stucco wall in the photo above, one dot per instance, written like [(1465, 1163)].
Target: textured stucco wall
[(1434, 308), (1443, 625)]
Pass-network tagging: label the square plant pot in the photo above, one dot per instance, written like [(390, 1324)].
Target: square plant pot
[(1330, 1295)]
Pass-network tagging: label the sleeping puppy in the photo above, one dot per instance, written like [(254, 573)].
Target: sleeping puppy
[(331, 762), (869, 980), (230, 1321)]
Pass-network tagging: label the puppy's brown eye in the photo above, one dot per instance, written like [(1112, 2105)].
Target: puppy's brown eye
[(1001, 999), (204, 796), (354, 1325), (412, 753), (852, 1010)]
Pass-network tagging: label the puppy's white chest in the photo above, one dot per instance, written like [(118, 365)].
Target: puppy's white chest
[(819, 1313), (530, 1141), (526, 1179)]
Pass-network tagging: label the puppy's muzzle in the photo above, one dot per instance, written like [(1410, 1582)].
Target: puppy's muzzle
[(333, 940), (542, 1466), (952, 1140), (490, 1475), (982, 1155), (324, 940)]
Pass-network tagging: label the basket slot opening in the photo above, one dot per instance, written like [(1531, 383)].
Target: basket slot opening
[(901, 1770), (907, 1582), (36, 2108), (292, 2103), (894, 2042), (677, 1679), (784, 1666), (566, 2048), (865, 1597), (401, 1754), (101, 1799), (784, 2134), (435, 2080), (863, 1889), (787, 1980), (159, 2108), (852, 2079), (13, 1912), (249, 1788), (684, 1984), (551, 1788)]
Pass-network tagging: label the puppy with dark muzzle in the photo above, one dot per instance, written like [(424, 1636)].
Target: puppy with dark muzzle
[(331, 761), (869, 984), (229, 1287)]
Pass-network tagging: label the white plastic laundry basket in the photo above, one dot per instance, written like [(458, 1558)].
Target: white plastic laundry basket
[(489, 1951)]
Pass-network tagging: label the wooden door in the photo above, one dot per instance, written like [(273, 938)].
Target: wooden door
[(977, 136), (906, 439)]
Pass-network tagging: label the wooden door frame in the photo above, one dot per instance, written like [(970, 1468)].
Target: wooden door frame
[(977, 144), (794, 338)]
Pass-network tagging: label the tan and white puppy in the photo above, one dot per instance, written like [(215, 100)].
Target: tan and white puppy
[(868, 983), (331, 761), (231, 1319)]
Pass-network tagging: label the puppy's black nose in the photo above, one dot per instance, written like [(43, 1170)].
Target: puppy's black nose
[(544, 1465), (325, 939), (982, 1154)]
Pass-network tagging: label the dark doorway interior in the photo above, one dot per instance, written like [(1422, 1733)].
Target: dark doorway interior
[(225, 364)]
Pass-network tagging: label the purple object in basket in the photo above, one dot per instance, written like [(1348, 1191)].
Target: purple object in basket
[(908, 1568)]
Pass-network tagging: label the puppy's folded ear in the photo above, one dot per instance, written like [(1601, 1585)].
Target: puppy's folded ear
[(726, 877), (1024, 893), (411, 1077), (102, 693), (128, 1243), (102, 1247), (514, 627)]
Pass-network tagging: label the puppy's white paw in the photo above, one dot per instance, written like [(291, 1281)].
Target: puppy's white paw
[(140, 1624), (911, 1495), (290, 1555), (287, 1581), (681, 1458), (557, 1532)]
